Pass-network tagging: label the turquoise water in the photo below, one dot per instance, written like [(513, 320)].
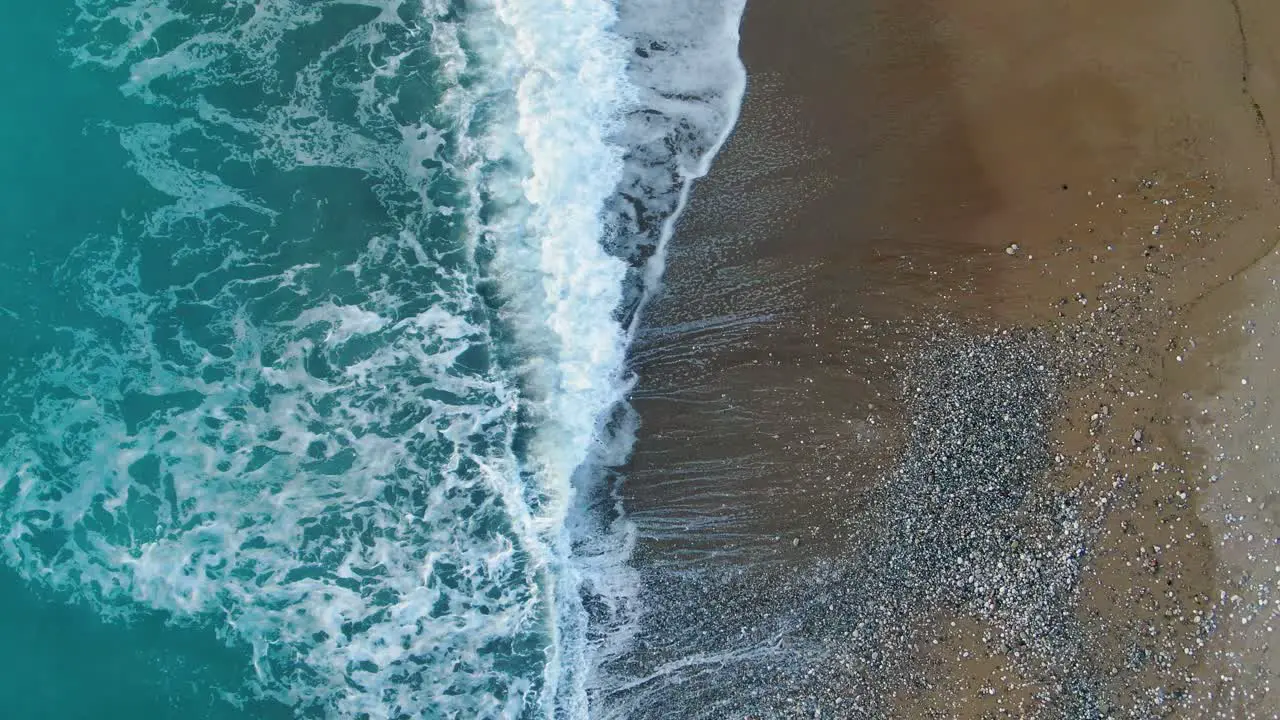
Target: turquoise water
[(314, 316), (62, 184)]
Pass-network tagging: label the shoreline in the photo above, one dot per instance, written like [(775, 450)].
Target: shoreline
[(897, 179)]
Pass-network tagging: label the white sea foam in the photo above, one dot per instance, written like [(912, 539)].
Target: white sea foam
[(559, 284), (687, 83), (328, 461), (599, 113)]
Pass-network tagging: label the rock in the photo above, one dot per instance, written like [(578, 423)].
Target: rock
[(1012, 249)]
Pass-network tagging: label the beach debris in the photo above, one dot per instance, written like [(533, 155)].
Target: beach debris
[(1012, 249), (1137, 437), (1098, 419)]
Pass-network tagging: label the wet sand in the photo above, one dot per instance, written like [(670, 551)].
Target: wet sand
[(958, 401)]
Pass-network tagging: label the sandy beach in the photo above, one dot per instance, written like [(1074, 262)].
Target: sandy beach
[(959, 398)]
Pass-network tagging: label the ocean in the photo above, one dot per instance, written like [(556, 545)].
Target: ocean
[(315, 319)]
